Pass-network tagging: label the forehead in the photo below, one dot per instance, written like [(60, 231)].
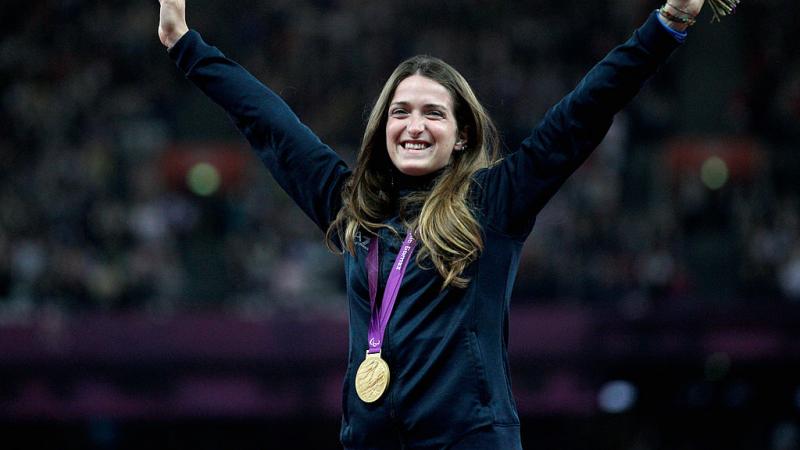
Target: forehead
[(418, 89)]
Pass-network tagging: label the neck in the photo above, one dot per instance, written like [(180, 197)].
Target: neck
[(405, 184)]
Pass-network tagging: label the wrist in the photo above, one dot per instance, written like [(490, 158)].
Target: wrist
[(175, 36), (675, 18)]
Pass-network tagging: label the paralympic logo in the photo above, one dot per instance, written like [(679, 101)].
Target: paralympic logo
[(374, 342)]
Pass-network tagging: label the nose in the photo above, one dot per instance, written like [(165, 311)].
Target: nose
[(416, 125)]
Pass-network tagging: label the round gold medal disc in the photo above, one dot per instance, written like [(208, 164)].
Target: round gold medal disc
[(372, 378)]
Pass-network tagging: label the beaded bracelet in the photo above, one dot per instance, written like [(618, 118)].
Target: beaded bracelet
[(680, 10), (688, 20)]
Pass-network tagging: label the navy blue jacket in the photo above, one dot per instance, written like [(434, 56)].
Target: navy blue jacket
[(447, 349)]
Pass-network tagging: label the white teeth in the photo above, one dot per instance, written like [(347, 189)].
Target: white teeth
[(413, 146)]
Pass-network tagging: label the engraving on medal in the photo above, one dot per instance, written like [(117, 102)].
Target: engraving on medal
[(372, 378)]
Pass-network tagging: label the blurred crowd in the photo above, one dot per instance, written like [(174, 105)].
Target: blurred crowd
[(91, 107)]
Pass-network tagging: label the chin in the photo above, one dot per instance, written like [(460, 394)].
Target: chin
[(414, 170)]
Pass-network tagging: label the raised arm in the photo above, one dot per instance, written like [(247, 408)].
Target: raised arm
[(513, 192), (308, 170)]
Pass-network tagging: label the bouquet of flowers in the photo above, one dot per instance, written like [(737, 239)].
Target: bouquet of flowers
[(722, 8)]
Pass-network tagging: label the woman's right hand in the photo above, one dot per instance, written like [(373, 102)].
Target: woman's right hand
[(172, 21)]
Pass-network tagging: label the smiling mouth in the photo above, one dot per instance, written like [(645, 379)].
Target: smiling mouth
[(415, 145)]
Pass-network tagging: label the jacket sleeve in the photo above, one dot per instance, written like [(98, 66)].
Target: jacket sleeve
[(511, 193), (308, 170)]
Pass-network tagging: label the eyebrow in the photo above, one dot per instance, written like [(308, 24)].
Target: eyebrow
[(427, 105)]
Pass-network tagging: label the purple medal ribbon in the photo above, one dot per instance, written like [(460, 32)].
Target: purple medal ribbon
[(379, 319)]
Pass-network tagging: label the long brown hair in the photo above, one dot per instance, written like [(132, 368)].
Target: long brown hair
[(447, 230)]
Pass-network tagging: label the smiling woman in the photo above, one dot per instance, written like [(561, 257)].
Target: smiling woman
[(421, 130), (428, 183), (429, 122)]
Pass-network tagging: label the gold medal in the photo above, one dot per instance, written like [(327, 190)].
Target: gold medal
[(372, 378)]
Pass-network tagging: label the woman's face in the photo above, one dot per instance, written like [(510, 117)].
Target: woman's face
[(421, 128)]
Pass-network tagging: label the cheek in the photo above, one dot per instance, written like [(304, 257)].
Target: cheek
[(392, 131), (444, 134)]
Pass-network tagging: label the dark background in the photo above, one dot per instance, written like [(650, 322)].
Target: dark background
[(657, 301)]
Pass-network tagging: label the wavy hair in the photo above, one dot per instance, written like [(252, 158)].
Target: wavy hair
[(445, 226)]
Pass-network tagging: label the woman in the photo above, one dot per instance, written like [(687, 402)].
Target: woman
[(430, 220)]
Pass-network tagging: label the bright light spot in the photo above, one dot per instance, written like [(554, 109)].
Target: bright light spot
[(714, 173), (617, 396), (203, 179)]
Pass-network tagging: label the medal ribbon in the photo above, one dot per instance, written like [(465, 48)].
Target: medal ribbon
[(379, 319)]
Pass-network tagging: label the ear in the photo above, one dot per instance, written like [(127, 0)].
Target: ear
[(461, 142)]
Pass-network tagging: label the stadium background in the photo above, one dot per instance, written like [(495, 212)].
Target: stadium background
[(157, 290)]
